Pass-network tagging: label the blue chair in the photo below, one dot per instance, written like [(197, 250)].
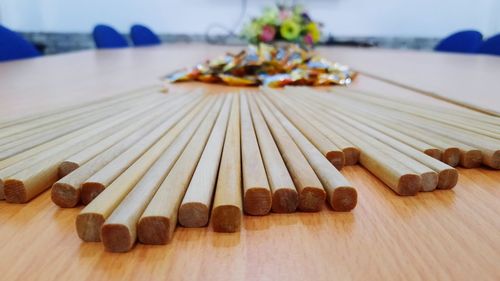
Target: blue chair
[(106, 37), (491, 46), (143, 36), (13, 46), (467, 41)]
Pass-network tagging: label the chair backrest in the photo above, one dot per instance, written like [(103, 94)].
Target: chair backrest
[(467, 41), (107, 37), (491, 46), (143, 36), (13, 46)]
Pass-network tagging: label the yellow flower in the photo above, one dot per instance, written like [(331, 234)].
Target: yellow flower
[(313, 29), (290, 30)]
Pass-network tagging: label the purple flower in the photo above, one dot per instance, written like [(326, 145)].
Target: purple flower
[(305, 17)]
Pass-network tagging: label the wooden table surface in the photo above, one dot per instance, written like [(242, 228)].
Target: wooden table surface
[(471, 79), (443, 235)]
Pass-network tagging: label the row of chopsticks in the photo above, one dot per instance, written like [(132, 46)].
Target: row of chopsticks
[(144, 162), (220, 155), (141, 162)]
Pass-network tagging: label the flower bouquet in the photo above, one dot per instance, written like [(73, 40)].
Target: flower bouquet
[(286, 23)]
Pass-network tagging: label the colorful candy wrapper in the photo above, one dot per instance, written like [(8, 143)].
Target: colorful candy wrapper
[(276, 81), (270, 66), (179, 76), (238, 81), (329, 79), (234, 62), (265, 52), (208, 78)]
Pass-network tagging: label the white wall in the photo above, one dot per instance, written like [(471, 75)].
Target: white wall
[(427, 18)]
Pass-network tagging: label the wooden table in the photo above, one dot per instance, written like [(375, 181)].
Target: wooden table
[(469, 79), (443, 235)]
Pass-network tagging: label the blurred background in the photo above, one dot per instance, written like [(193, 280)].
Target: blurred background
[(56, 26)]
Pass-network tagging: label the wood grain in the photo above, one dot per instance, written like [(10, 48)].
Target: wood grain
[(421, 163), (74, 161), (404, 177), (437, 117), (33, 120), (25, 179), (415, 143), (32, 124), (91, 218), (257, 197), (157, 224), (447, 176), (429, 177), (194, 210), (452, 78), (311, 192), (53, 152), (488, 146), (341, 195), (331, 151), (454, 151), (445, 235), (227, 209), (15, 147), (119, 231), (66, 191), (460, 113), (285, 196), (351, 152), (96, 183), (59, 142)]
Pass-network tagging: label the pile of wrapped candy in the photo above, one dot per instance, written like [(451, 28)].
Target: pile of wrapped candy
[(267, 65)]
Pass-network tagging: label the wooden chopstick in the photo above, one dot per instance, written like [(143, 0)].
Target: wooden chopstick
[(415, 143), (429, 177), (447, 176), (17, 146), (22, 183), (92, 217), (66, 191), (194, 210), (331, 151), (40, 128), (455, 111), (311, 192), (227, 207), (393, 173), (351, 152), (285, 196), (467, 156), (45, 155), (24, 136), (458, 122), (75, 161), (105, 176), (341, 195), (474, 142), (489, 147), (397, 176), (453, 152), (157, 224), (119, 232), (34, 121), (257, 196)]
